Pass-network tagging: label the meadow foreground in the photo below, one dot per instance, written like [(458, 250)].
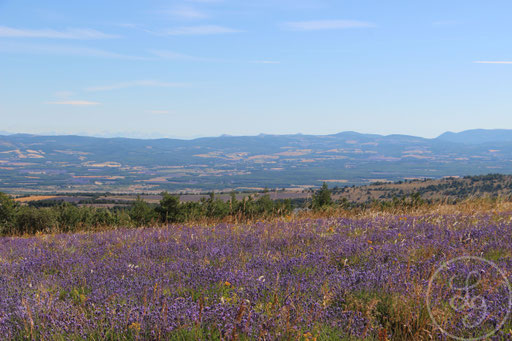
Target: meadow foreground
[(305, 279)]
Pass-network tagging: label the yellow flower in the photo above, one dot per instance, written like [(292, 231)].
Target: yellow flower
[(309, 337), (226, 283), (135, 326)]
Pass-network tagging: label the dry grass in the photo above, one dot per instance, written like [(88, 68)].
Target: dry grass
[(467, 207)]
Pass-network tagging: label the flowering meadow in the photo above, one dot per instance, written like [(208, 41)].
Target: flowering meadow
[(293, 279)]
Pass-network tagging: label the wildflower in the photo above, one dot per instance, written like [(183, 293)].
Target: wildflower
[(135, 326), (226, 283), (308, 336)]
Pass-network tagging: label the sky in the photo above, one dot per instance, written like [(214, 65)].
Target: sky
[(193, 68)]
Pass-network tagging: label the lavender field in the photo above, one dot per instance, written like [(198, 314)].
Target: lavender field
[(304, 279)]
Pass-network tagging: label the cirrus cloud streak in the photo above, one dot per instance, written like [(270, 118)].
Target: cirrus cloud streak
[(321, 25), (493, 62), (199, 30), (71, 33)]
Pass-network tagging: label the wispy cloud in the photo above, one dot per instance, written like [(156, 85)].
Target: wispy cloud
[(66, 50), (165, 54), (493, 62), (171, 55), (132, 84), (77, 103), (320, 25), (187, 12), (70, 33), (199, 30)]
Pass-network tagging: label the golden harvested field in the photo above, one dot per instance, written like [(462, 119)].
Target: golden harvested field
[(35, 198)]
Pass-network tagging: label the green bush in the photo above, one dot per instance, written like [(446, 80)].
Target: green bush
[(67, 217), (169, 209), (141, 213), (31, 220), (7, 213)]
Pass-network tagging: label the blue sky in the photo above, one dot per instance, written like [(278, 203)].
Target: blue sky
[(190, 68)]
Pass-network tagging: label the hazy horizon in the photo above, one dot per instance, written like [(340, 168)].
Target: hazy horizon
[(135, 135)]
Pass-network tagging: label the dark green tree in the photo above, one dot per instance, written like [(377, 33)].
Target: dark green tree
[(141, 213), (169, 209), (69, 216), (31, 220), (233, 204), (264, 205), (7, 212), (322, 197)]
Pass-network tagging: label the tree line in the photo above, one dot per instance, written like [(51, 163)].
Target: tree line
[(16, 219)]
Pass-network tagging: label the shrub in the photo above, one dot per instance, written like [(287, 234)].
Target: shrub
[(7, 212), (31, 220)]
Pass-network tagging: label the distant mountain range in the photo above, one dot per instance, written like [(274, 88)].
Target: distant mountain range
[(32, 163), (478, 136)]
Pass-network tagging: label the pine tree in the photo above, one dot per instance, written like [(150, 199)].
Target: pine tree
[(322, 198)]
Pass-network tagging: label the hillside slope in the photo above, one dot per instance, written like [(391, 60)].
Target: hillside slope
[(77, 163)]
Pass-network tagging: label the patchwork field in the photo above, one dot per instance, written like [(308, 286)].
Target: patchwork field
[(302, 279), (31, 164)]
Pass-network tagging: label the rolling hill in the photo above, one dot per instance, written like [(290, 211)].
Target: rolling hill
[(32, 163)]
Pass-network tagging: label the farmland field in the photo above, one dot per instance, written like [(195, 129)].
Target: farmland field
[(33, 164), (332, 278)]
